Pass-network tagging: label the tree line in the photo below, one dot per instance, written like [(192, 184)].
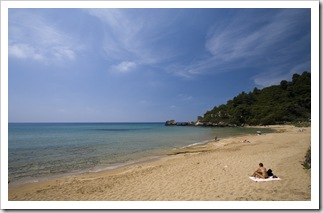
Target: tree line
[(277, 104)]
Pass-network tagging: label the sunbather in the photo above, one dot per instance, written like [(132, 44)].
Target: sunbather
[(260, 172)]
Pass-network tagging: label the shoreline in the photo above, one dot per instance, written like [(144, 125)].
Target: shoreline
[(94, 170), (151, 155), (218, 155)]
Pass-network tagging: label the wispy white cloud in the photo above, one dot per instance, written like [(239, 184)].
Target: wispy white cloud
[(23, 51), (242, 39), (270, 78), (130, 35), (125, 66), (185, 97), (120, 32), (278, 73), (248, 42), (31, 36)]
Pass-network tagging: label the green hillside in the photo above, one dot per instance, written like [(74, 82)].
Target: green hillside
[(278, 104)]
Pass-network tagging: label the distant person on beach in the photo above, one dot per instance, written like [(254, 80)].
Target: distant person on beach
[(260, 172)]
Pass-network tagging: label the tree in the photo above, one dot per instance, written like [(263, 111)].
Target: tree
[(283, 85), (287, 102)]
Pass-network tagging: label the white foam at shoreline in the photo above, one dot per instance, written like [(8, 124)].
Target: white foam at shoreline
[(199, 143)]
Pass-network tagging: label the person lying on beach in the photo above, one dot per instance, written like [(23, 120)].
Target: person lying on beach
[(260, 172), (245, 141)]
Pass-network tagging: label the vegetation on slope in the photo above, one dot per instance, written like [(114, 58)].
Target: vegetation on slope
[(289, 102)]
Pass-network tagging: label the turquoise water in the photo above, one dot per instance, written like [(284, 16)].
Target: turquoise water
[(43, 150)]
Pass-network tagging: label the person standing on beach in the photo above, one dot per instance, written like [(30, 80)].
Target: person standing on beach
[(260, 172)]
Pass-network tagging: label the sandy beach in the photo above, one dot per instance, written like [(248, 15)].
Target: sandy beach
[(217, 171)]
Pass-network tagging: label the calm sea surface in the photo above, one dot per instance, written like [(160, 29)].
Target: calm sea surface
[(43, 150)]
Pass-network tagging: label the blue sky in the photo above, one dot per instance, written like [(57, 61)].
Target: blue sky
[(130, 65)]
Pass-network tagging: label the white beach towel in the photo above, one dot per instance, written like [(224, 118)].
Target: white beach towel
[(270, 178)]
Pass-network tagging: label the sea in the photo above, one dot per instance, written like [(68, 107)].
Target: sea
[(39, 151)]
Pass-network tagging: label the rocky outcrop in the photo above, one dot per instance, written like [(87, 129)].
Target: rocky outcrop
[(199, 123), (185, 123), (170, 123), (174, 123)]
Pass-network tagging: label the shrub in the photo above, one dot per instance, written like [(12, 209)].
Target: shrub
[(307, 161)]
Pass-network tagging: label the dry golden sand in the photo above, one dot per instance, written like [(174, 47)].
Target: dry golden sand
[(217, 171)]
